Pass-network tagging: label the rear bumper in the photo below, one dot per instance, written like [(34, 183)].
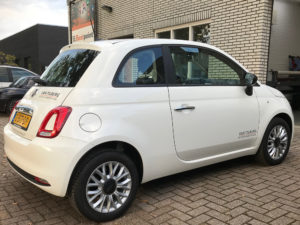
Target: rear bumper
[(50, 159)]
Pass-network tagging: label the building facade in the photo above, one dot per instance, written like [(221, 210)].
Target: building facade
[(240, 27), (36, 46)]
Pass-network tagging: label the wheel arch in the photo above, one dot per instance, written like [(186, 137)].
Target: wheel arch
[(120, 146), (286, 118)]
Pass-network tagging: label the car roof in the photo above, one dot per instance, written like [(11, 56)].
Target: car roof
[(136, 43)]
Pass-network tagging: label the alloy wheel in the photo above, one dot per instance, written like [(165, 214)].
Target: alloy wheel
[(108, 187), (277, 142)]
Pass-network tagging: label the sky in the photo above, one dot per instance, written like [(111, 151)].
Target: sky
[(17, 15)]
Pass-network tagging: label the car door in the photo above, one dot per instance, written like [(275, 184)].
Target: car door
[(212, 115)]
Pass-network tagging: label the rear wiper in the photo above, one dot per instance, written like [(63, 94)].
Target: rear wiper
[(39, 81)]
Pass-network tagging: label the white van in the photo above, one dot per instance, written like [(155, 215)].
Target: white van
[(110, 115)]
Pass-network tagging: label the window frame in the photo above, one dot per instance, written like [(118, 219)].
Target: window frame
[(115, 82), (225, 59), (191, 26)]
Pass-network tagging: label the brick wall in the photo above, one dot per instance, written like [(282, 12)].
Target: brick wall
[(218, 69), (239, 27)]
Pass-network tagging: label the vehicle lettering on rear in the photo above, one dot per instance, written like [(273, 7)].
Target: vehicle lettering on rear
[(34, 93), (49, 94), (247, 133)]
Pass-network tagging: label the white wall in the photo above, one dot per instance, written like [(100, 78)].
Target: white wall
[(285, 34)]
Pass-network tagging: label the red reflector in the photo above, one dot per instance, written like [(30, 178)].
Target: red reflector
[(62, 113), (41, 181), (17, 102)]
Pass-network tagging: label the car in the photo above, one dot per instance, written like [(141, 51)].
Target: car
[(109, 115), (10, 95), (9, 74)]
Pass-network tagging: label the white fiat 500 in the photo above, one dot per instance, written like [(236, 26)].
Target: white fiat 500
[(109, 115)]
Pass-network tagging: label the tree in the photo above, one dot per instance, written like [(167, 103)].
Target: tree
[(7, 59)]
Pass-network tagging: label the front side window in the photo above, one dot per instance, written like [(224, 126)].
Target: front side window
[(20, 82), (195, 66), (68, 67), (143, 67)]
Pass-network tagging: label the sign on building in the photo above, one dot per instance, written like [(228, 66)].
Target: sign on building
[(82, 20)]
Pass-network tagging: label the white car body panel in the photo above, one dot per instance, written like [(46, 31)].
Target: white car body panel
[(220, 119), (143, 117)]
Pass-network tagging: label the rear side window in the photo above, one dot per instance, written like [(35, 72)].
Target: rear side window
[(18, 73), (143, 67), (4, 75), (68, 67)]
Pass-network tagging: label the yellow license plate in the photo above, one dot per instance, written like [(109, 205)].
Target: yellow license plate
[(21, 120)]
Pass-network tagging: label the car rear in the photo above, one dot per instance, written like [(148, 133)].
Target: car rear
[(32, 144)]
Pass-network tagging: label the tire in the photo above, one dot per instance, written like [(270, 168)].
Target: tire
[(10, 105), (275, 144), (103, 187)]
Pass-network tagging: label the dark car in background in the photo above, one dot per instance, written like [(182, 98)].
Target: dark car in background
[(10, 95), (9, 74)]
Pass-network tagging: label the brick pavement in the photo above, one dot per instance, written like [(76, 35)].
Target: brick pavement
[(236, 192)]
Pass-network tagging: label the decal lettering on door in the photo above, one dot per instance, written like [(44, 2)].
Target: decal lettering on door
[(247, 133)]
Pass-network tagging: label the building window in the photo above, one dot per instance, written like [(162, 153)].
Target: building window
[(182, 34), (201, 33), (194, 32), (165, 35), (27, 63)]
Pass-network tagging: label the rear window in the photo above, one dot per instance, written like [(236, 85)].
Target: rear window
[(68, 67)]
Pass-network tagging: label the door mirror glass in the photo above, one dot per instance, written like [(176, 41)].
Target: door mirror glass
[(250, 79)]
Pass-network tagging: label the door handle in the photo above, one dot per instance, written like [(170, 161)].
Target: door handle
[(185, 107)]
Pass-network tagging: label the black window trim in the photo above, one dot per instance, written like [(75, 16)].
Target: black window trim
[(171, 70), (128, 55)]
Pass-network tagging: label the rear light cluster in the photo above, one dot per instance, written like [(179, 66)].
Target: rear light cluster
[(17, 102), (60, 114)]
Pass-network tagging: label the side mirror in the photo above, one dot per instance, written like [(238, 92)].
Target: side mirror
[(250, 81)]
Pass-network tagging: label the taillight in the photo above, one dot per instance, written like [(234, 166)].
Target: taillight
[(17, 102), (41, 181), (61, 115)]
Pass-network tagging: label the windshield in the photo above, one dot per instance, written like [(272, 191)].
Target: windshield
[(68, 67)]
